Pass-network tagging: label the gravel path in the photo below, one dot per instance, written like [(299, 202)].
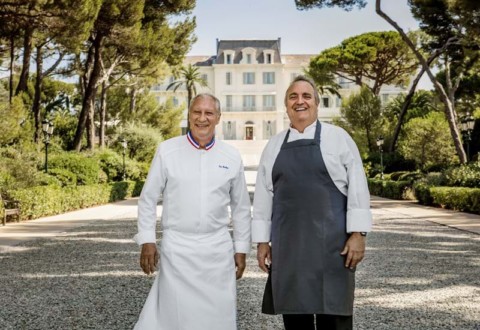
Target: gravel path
[(417, 275)]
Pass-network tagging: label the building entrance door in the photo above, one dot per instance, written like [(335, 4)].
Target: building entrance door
[(249, 133)]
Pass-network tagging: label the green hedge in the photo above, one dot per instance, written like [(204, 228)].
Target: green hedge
[(455, 198), (43, 201), (390, 189)]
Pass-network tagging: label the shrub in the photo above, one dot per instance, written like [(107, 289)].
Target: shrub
[(86, 168), (392, 162), (141, 142), (42, 201), (18, 169), (112, 164), (463, 176), (457, 198), (390, 189), (427, 141), (411, 176), (395, 176), (435, 179), (421, 190), (65, 177)]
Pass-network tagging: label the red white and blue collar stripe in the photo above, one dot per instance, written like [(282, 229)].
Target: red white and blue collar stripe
[(194, 143)]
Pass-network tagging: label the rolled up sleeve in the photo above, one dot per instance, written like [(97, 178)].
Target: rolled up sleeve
[(359, 216)]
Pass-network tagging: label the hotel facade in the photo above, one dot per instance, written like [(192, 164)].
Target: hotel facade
[(250, 78)]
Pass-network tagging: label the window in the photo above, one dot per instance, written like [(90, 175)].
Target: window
[(325, 102), (204, 77), (269, 102), (175, 101), (229, 59), (249, 78), (269, 58), (249, 58), (248, 102), (228, 102), (269, 78), (228, 78)]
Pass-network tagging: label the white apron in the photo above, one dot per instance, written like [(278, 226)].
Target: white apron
[(195, 286)]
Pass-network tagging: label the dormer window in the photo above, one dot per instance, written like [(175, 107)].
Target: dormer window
[(249, 56), (268, 56), (228, 56)]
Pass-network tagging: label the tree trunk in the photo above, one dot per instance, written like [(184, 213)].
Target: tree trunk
[(449, 107), (90, 125), (27, 52), (103, 112), (12, 61), (409, 98), (403, 112), (133, 99), (89, 95), (38, 91)]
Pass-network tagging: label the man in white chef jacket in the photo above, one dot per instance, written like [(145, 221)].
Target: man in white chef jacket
[(311, 213), (198, 177)]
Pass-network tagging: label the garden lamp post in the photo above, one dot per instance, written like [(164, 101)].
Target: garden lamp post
[(466, 126), (47, 128), (124, 146), (380, 144)]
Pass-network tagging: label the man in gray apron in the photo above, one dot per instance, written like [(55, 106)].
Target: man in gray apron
[(310, 218)]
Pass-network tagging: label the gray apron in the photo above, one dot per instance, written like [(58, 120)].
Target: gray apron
[(308, 274)]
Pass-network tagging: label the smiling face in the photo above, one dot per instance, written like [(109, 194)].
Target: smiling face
[(203, 118), (302, 104)]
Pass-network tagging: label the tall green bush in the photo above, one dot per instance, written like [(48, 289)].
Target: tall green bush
[(142, 141), (85, 168), (427, 141)]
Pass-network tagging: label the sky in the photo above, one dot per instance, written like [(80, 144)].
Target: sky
[(301, 32)]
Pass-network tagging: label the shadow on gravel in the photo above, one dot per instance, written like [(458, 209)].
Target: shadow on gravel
[(90, 278), (87, 279), (418, 275)]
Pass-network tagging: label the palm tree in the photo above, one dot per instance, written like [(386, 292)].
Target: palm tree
[(189, 77)]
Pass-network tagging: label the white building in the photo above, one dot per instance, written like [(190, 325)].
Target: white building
[(250, 78)]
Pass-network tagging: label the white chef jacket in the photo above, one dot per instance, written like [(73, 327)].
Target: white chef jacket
[(197, 185), (344, 166)]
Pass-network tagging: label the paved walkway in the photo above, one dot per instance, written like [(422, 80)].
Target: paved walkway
[(15, 233), (80, 271)]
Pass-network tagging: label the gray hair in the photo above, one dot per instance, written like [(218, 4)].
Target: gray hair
[(308, 81), (206, 95)]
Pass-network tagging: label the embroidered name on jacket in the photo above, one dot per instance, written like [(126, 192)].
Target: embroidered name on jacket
[(223, 166)]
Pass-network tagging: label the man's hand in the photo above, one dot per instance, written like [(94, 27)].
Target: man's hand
[(264, 254), (240, 264), (354, 250), (149, 258)]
